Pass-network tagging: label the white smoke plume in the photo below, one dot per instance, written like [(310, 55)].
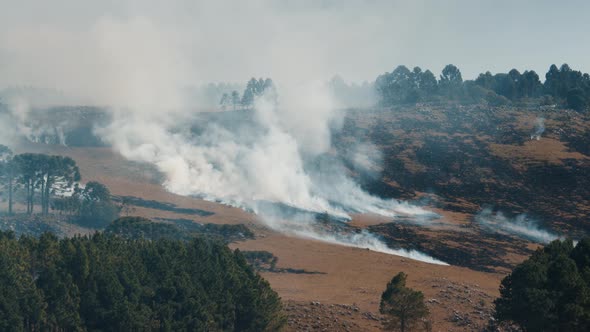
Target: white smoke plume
[(539, 129), (280, 152), (272, 158), (140, 67), (16, 121), (304, 224), (521, 226)]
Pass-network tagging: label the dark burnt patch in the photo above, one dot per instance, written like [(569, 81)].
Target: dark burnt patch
[(448, 151), (482, 252)]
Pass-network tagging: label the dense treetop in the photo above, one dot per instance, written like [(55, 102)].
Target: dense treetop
[(550, 291), (562, 85), (107, 283), (403, 306), (255, 88)]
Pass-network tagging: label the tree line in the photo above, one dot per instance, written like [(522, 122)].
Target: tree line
[(109, 283), (563, 85), (255, 88), (52, 182), (38, 175)]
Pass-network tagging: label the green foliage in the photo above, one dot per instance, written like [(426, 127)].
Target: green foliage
[(89, 207), (496, 100), (451, 81), (550, 291), (138, 228), (39, 174), (142, 228), (261, 260), (106, 283), (404, 306), (569, 85), (234, 100), (227, 232), (256, 88), (5, 152), (405, 86), (563, 85), (8, 173), (576, 99), (21, 303), (96, 207), (224, 101)]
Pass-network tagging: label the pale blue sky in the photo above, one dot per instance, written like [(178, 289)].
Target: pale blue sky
[(233, 40)]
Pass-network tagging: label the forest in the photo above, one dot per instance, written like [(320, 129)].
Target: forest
[(53, 182), (137, 275), (562, 86), (110, 283)]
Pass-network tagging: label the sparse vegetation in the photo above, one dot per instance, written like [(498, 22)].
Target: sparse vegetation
[(261, 260), (403, 306), (267, 262), (143, 228), (151, 204)]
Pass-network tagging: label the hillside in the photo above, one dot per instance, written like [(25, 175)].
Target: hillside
[(454, 160), (466, 157)]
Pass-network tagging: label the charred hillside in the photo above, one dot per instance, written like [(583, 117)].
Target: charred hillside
[(476, 156)]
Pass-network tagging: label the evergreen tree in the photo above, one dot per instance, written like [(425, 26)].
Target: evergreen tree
[(451, 81), (404, 306), (225, 100), (235, 99), (256, 88), (550, 291), (111, 283), (8, 172)]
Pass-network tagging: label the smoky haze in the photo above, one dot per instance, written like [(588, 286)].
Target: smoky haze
[(61, 43), (137, 58)]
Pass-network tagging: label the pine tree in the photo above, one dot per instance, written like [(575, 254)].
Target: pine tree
[(403, 306)]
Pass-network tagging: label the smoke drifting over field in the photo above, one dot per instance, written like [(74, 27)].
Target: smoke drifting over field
[(269, 155), (306, 225), (539, 129), (139, 67), (521, 226)]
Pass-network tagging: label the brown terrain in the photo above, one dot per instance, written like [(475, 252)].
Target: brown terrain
[(453, 167)]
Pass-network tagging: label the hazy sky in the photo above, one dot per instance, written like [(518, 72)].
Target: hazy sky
[(69, 43)]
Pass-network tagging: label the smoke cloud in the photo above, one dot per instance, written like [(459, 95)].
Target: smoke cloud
[(306, 225), (280, 152), (263, 156), (521, 226), (139, 66), (539, 129)]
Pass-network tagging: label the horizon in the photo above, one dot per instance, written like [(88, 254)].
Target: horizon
[(65, 42)]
